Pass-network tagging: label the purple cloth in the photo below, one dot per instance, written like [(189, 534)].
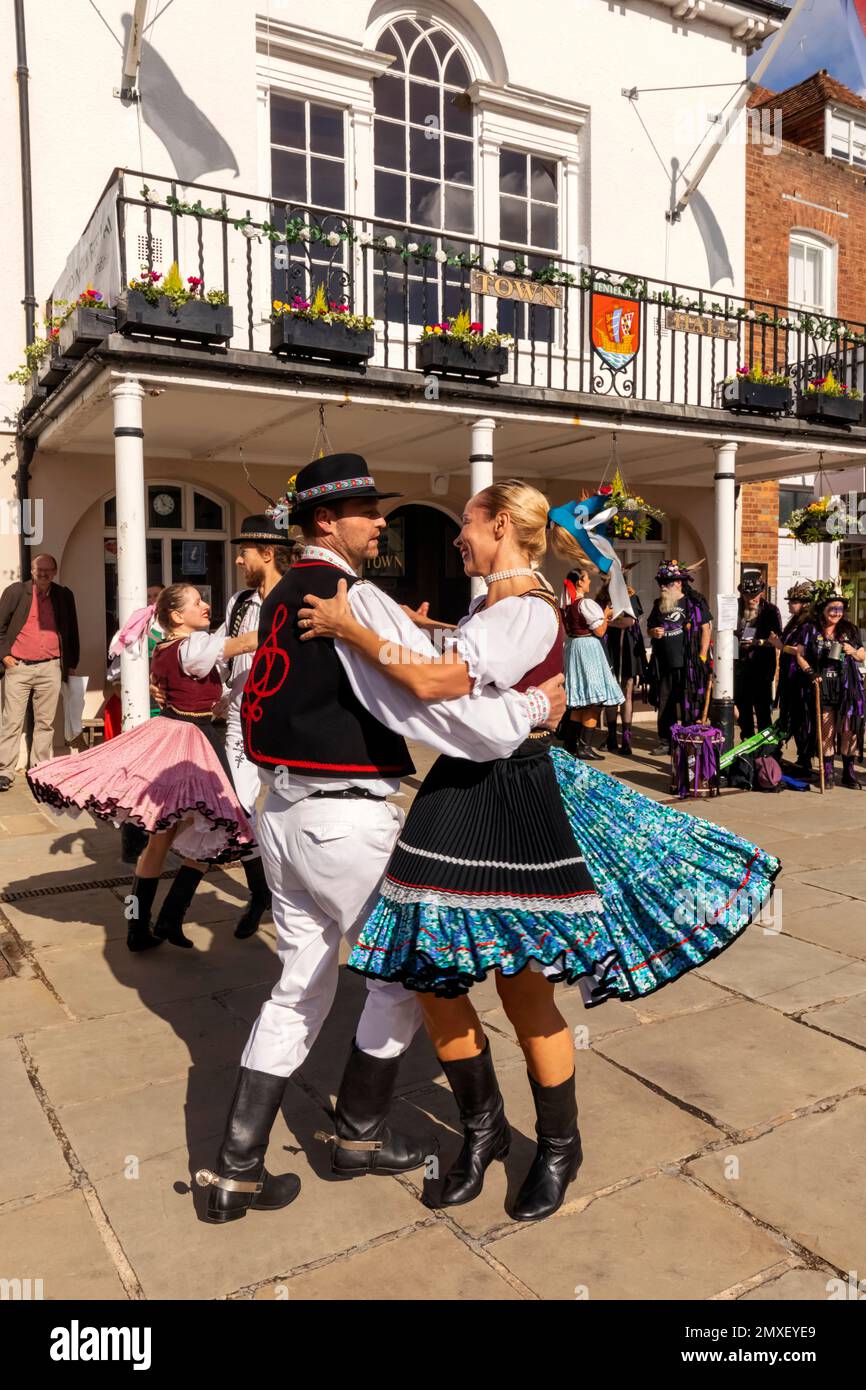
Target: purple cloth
[(705, 742)]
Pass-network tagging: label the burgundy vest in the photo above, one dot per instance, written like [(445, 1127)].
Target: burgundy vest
[(189, 694)]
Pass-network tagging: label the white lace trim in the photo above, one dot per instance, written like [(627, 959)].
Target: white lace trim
[(467, 652), (330, 557), (486, 863), (402, 893)]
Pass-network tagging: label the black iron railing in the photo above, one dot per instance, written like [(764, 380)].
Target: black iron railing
[(574, 327)]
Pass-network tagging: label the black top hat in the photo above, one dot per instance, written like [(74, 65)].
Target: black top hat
[(752, 583), (332, 478), (261, 530)]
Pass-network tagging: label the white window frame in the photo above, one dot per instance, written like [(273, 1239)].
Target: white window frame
[(856, 130), (806, 239), (308, 153)]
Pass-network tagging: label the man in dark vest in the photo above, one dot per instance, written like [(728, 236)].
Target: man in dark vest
[(330, 760)]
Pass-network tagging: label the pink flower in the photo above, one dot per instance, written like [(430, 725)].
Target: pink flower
[(742, 371), (476, 328)]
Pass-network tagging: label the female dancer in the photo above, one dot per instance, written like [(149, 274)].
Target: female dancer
[(488, 873), (627, 656), (589, 682), (829, 651), (168, 776), (795, 695)]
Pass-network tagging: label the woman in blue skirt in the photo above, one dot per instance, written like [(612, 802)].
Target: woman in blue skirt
[(535, 866), (589, 680)]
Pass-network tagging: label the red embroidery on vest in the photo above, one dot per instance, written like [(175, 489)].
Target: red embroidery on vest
[(259, 686)]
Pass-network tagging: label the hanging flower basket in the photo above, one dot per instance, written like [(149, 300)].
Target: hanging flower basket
[(762, 393), (321, 330), (634, 515), (462, 348), (822, 520), (830, 402)]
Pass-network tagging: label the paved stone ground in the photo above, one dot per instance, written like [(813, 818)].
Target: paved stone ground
[(724, 1119)]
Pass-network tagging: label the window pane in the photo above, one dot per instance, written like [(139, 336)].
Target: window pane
[(390, 196), (407, 30), (423, 62), (425, 203), (389, 96), (326, 130), (458, 161), (797, 280), (423, 103), (512, 220), (457, 73), (423, 302), (457, 297), (388, 44), (512, 172), (441, 42), (388, 293), (111, 512), (287, 122), (207, 513), (460, 209), (458, 113), (543, 178), (202, 564), (425, 148), (328, 183), (390, 145), (543, 225), (164, 508), (288, 176), (813, 285)]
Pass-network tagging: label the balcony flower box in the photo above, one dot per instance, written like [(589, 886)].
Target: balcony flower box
[(830, 410), (453, 357), (52, 369), (196, 321), (82, 330), (756, 396), (314, 340)]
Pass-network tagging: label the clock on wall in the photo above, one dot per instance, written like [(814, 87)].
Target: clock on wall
[(163, 504)]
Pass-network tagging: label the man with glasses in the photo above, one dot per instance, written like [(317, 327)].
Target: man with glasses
[(39, 649), (681, 627)]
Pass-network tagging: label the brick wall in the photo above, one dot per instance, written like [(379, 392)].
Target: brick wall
[(759, 527)]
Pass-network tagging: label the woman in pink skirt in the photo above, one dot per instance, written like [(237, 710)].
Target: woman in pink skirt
[(169, 776)]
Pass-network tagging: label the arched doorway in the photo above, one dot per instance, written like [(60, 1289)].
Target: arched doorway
[(417, 561)]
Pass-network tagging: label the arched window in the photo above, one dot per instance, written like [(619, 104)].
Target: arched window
[(424, 164)]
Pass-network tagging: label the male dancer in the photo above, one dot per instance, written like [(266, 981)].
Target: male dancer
[(758, 621), (681, 626), (330, 747)]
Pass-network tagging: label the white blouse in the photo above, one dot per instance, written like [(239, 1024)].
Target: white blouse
[(201, 652), (501, 643), (592, 612)]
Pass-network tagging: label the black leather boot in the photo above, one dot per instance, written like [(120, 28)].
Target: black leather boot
[(486, 1134), (364, 1141), (849, 778), (580, 749), (260, 899), (139, 937), (591, 751), (241, 1180), (169, 923), (626, 749), (133, 839), (611, 743), (559, 1153)]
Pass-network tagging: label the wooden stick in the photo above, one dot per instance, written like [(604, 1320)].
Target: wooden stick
[(820, 736), (707, 698)]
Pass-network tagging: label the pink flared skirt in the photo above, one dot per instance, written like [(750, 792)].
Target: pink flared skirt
[(158, 774)]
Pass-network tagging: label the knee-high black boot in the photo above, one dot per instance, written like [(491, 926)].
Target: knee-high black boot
[(486, 1134), (364, 1141), (241, 1180), (133, 839), (139, 937), (169, 923), (559, 1153), (260, 898)]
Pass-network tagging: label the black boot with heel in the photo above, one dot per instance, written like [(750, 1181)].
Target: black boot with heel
[(260, 899), (559, 1153), (241, 1180), (139, 937), (364, 1142), (486, 1134), (169, 923)]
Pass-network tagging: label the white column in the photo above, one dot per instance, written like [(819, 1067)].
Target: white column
[(127, 397), (725, 583), (480, 470)]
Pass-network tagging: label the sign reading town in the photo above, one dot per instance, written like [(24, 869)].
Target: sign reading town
[(516, 287)]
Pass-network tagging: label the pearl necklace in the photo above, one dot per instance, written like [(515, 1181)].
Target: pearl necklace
[(506, 574)]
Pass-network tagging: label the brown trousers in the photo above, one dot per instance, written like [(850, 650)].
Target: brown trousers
[(19, 682)]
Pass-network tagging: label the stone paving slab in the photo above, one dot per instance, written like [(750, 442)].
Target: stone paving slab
[(838, 928), (427, 1265), (762, 963), (795, 1284), (101, 1057), (853, 880), (87, 918), (742, 1066), (626, 1129), (56, 1241), (847, 1020), (30, 823), (177, 1255), (800, 896), (659, 1239), (96, 981), (806, 1177), (685, 995), (31, 1160), (835, 985), (26, 1005)]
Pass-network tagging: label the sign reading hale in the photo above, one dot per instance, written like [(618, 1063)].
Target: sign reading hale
[(704, 324), (516, 287)]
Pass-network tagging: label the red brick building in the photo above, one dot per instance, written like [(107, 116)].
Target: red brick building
[(806, 235)]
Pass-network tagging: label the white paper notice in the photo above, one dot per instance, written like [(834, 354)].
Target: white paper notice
[(727, 607)]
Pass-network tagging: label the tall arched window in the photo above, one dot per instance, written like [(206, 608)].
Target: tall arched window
[(424, 161)]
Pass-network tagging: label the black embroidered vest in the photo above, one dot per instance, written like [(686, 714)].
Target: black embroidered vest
[(299, 710)]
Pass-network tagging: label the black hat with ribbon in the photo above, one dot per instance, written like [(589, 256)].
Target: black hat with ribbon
[(261, 530), (331, 479)]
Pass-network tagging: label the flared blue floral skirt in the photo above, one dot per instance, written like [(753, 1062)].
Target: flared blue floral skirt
[(671, 892), (588, 677)]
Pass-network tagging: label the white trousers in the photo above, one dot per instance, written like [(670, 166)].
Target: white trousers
[(324, 859), (245, 776)]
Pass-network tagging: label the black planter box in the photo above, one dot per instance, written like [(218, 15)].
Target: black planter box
[(456, 359), (83, 330), (331, 342), (52, 369), (196, 322), (757, 396), (830, 410)]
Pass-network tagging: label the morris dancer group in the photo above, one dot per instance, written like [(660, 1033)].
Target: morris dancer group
[(515, 858)]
